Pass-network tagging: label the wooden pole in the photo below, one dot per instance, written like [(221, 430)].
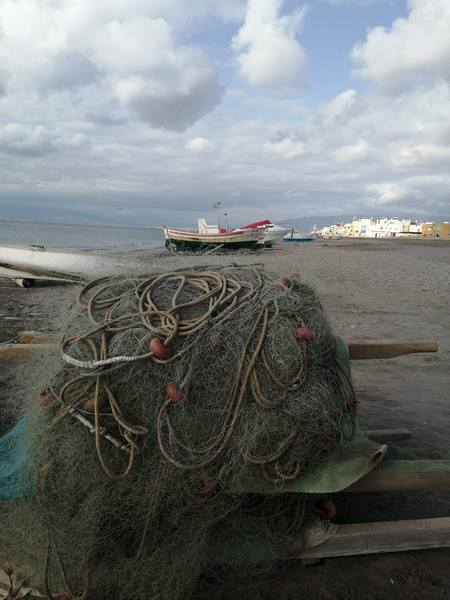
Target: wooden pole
[(36, 337), (377, 349), (18, 352), (388, 435), (387, 536), (405, 475), (358, 350)]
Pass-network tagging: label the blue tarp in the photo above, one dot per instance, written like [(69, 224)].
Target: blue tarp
[(16, 464)]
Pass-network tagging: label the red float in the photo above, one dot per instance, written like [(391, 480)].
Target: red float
[(283, 282), (174, 393), (326, 509), (158, 349), (305, 333)]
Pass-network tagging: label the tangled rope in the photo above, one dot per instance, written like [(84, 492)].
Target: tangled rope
[(175, 309)]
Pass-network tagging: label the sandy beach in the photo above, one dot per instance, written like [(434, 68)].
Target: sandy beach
[(370, 289)]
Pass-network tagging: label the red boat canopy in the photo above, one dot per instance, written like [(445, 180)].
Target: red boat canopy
[(257, 224)]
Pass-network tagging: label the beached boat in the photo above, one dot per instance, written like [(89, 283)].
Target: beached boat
[(272, 233), (299, 236), (214, 237), (27, 263)]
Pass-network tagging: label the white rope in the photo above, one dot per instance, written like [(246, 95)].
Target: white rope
[(93, 364)]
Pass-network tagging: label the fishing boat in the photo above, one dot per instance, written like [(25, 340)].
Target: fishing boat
[(213, 237), (272, 233), (25, 264), (299, 236)]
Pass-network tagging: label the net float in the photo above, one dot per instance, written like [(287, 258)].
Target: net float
[(305, 333), (89, 405), (215, 341), (44, 469), (44, 396), (158, 349), (326, 509), (172, 518), (349, 400), (283, 282), (206, 487), (174, 392)]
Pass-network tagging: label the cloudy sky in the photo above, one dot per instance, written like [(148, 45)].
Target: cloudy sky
[(150, 111)]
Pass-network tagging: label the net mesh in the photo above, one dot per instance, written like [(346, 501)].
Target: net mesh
[(173, 397)]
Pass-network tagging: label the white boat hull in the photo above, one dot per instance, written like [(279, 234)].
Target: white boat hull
[(233, 240), (39, 263), (274, 234), (271, 233)]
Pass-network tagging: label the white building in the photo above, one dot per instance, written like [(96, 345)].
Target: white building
[(361, 227), (373, 228), (387, 227)]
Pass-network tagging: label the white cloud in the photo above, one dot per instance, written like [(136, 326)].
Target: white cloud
[(341, 107), (100, 102), (199, 145), (128, 52), (287, 147), (418, 155), (356, 2), (269, 54), (22, 140), (417, 46), (388, 192), (352, 152)]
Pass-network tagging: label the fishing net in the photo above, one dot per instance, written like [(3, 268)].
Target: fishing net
[(173, 399)]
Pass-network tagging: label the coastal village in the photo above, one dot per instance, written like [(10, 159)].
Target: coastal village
[(386, 228)]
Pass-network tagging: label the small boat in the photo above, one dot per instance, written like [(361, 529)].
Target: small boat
[(272, 233), (213, 237), (299, 236), (25, 264)]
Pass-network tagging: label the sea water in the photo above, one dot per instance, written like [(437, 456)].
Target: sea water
[(64, 235)]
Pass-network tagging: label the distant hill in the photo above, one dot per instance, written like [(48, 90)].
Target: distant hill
[(307, 223)]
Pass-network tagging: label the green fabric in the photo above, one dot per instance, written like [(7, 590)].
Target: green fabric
[(347, 466)]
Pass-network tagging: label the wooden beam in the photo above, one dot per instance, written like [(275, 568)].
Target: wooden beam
[(36, 337), (18, 352), (388, 536), (405, 475), (388, 435), (358, 350), (387, 349)]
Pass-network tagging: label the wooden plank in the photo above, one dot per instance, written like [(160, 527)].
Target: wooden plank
[(377, 349), (18, 352), (388, 536), (388, 435), (405, 475), (36, 337)]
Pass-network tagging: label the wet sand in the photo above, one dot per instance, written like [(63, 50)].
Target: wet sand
[(371, 289)]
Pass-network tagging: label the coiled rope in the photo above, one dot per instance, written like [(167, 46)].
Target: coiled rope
[(214, 298)]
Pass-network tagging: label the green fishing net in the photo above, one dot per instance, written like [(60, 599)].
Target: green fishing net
[(170, 399)]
